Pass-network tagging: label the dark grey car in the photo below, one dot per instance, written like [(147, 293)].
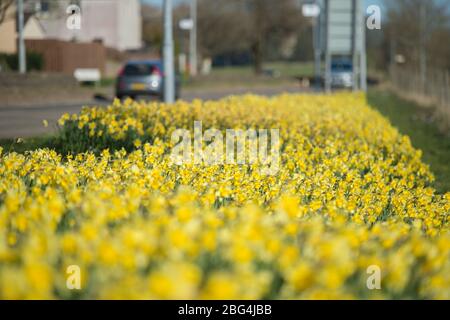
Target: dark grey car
[(142, 78)]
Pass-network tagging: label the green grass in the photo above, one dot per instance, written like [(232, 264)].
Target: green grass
[(286, 69), (26, 144), (107, 82), (293, 69), (239, 76), (412, 120)]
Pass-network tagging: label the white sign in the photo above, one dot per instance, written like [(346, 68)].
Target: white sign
[(310, 10), (87, 75), (341, 26), (186, 24)]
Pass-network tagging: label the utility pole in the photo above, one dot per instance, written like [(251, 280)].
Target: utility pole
[(327, 48), (317, 49), (169, 70), (422, 46), (363, 52), (22, 57), (193, 39), (355, 45)]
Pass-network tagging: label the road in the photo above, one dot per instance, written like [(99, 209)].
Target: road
[(27, 121)]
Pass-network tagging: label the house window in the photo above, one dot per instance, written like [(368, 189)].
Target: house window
[(45, 6)]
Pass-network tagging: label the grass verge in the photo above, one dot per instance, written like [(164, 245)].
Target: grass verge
[(414, 120), (283, 73), (27, 144)]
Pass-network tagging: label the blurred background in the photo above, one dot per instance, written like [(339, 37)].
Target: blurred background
[(224, 47)]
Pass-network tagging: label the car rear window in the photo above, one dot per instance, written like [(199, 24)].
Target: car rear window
[(138, 69), (341, 66)]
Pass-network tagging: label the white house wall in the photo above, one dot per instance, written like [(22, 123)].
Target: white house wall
[(116, 22)]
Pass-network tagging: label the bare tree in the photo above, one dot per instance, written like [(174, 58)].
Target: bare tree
[(413, 27), (152, 32), (245, 25), (56, 8), (221, 26), (268, 19), (233, 26), (4, 6)]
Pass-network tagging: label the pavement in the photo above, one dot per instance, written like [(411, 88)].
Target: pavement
[(27, 120)]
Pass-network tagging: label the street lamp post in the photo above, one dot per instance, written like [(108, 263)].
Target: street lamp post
[(169, 69), (193, 39), (327, 80), (363, 58), (317, 50), (22, 57)]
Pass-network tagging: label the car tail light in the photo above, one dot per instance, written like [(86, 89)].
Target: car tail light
[(156, 72), (119, 78)]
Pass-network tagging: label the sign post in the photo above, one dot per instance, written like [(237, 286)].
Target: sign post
[(312, 10)]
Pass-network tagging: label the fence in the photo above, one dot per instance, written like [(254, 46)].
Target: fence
[(65, 57), (434, 91)]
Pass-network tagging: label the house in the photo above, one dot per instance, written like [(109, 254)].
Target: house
[(8, 36), (33, 29), (115, 23)]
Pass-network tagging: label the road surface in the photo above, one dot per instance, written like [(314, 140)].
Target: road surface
[(27, 121)]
